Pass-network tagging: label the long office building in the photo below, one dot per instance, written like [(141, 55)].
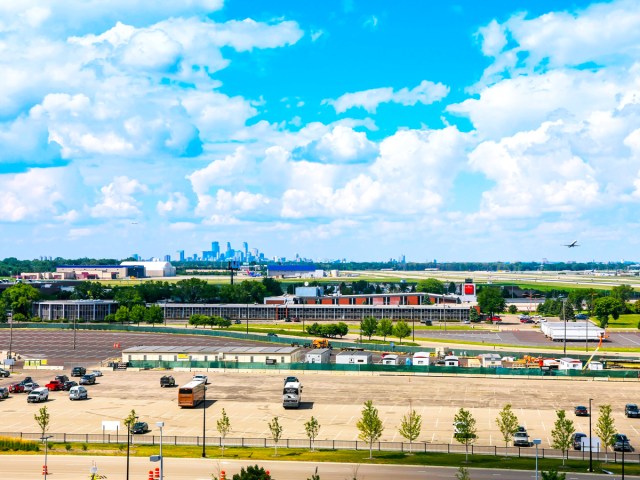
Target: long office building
[(334, 313)]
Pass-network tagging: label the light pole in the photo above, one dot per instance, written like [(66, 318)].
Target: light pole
[(160, 425), (564, 319), (74, 333), (46, 452), (624, 446), (537, 442), (247, 319), (590, 442), (204, 423), (586, 339), (130, 421)]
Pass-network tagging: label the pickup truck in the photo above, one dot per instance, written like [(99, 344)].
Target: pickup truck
[(200, 378), (37, 395), (55, 385), (167, 381)]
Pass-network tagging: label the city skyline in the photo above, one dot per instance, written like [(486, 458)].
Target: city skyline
[(349, 129)]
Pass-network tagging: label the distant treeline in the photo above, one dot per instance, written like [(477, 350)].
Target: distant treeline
[(13, 266)]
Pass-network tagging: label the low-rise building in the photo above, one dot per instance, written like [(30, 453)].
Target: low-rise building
[(351, 357), (421, 358), (318, 355), (74, 310)]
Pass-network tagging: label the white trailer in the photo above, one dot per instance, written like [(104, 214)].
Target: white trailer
[(318, 355), (572, 331), (351, 357), (390, 359), (421, 358), (567, 363), (292, 395)]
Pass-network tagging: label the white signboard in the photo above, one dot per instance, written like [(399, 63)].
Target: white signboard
[(110, 425), (9, 361), (595, 444)]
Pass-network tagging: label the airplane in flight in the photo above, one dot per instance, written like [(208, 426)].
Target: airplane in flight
[(572, 244)]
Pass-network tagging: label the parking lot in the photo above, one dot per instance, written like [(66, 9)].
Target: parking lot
[(253, 399)]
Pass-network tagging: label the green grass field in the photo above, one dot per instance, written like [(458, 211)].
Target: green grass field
[(338, 456)]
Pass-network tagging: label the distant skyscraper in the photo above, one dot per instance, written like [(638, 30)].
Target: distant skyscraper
[(167, 258), (215, 250), (181, 255), (245, 249)]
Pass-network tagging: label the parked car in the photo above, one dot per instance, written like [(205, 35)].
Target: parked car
[(88, 379), (631, 410), (200, 378), (78, 392), (68, 385), (30, 386), (16, 388), (96, 373), (290, 379), (576, 439), (4, 373), (62, 378), (521, 439), (55, 385), (26, 380), (167, 381), (581, 411), (494, 318), (37, 395), (4, 392), (140, 427), (622, 443), (78, 371), (238, 321), (272, 335), (581, 316)]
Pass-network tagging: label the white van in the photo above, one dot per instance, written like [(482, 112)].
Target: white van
[(37, 395), (78, 393)]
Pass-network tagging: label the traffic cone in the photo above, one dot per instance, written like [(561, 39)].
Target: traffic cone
[(223, 475), (150, 474), (156, 474), (45, 471)]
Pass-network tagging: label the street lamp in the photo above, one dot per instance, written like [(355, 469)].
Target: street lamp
[(204, 423), (564, 319), (590, 441), (247, 319), (160, 425), (46, 451), (537, 442), (130, 422)]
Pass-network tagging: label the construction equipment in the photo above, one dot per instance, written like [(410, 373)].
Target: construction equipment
[(320, 343)]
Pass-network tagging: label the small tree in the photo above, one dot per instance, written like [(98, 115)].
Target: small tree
[(276, 432), (401, 330), (368, 326), (224, 427), (513, 309), (563, 429), (122, 314), (43, 418), (312, 427), (153, 315), (136, 314), (130, 421), (474, 316), (385, 328), (606, 428), (465, 429), (370, 425), (252, 473), (410, 427), (507, 423), (463, 474)]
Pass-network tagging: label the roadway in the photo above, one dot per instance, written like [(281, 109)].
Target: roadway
[(71, 467)]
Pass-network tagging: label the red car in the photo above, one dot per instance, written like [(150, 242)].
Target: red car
[(16, 388), (495, 318), (55, 385)]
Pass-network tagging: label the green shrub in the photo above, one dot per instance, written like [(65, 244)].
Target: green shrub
[(17, 444), (67, 446), (84, 447)]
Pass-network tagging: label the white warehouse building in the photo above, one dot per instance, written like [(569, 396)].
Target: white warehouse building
[(155, 269)]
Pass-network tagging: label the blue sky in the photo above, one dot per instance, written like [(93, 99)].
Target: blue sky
[(340, 129)]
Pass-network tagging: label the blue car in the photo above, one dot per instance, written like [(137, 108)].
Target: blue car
[(582, 316)]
